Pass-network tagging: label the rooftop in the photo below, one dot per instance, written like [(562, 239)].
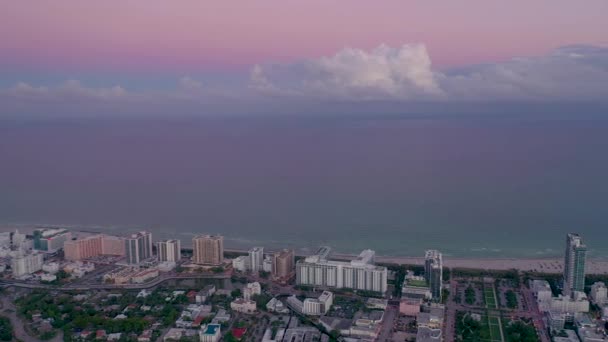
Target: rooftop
[(211, 329)]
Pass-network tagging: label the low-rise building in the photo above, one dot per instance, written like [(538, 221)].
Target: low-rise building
[(318, 306), (376, 303), (174, 334), (48, 277), (243, 305), (543, 294), (144, 275), (275, 305), (221, 316), (410, 306), (369, 318), (598, 293), (51, 267), (566, 336), (572, 305), (241, 263), (252, 289), (426, 334), (592, 335), (556, 320), (210, 333), (205, 294)]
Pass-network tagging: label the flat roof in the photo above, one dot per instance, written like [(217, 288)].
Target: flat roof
[(211, 329)]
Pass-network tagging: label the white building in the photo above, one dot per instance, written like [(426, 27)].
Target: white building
[(295, 304), (256, 259), (138, 247), (591, 335), (241, 263), (26, 264), (252, 289), (543, 294), (243, 305), (275, 305), (598, 293), (571, 305), (359, 274), (318, 306), (204, 294), (169, 250), (210, 333), (51, 267), (48, 277), (267, 264), (5, 240)]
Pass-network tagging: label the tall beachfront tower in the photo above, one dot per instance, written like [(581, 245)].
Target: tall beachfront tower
[(433, 272), (138, 247), (574, 265), (208, 249), (169, 250)]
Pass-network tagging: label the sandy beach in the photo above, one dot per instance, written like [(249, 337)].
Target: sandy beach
[(548, 265)]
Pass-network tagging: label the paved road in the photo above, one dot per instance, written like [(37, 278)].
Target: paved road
[(387, 324), (148, 285)]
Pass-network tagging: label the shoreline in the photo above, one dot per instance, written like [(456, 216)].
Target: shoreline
[(542, 265), (549, 264)]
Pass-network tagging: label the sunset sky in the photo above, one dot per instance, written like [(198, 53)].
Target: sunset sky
[(331, 49)]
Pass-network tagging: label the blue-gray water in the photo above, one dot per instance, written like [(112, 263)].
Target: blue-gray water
[(470, 186)]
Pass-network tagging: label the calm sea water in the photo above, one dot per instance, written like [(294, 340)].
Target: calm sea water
[(469, 186)]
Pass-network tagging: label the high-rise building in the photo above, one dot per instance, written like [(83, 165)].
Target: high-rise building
[(574, 265), (112, 245), (92, 246), (256, 258), (283, 264), (433, 272), (50, 239), (359, 274), (169, 250), (26, 264), (138, 247), (84, 248), (208, 249)]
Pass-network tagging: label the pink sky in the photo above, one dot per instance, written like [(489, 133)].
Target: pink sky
[(205, 35)]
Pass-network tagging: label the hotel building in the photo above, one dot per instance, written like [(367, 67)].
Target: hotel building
[(359, 274), (208, 249)]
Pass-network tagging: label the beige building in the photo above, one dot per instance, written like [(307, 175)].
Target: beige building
[(283, 264), (208, 249), (92, 246)]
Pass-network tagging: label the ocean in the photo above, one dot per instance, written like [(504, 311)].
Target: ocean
[(470, 186)]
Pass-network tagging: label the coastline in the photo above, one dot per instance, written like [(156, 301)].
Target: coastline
[(542, 265)]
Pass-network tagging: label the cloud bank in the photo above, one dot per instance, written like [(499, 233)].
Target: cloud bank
[(385, 74), (569, 73)]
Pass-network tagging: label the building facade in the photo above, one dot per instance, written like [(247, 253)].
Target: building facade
[(208, 249), (84, 248), (256, 259), (169, 250), (283, 264), (433, 272), (92, 246), (574, 265), (138, 247), (318, 306), (112, 245), (359, 274), (599, 293), (26, 264)]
